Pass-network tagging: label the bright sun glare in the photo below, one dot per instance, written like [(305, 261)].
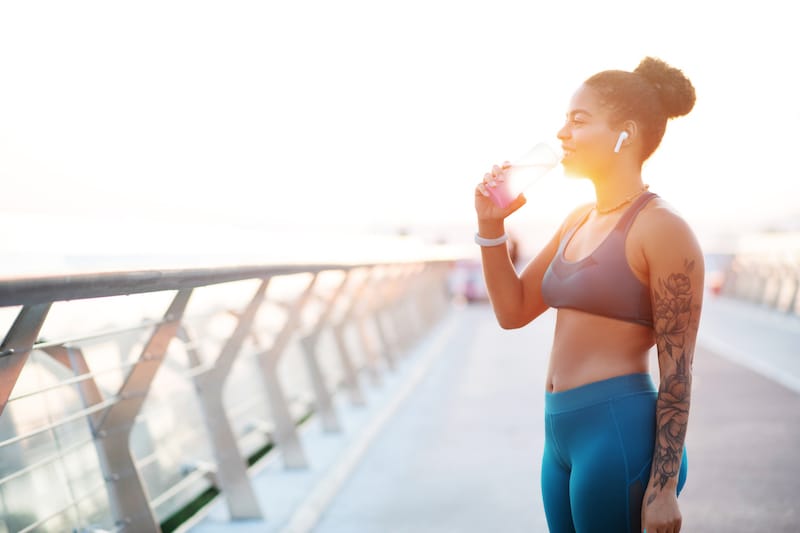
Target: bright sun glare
[(368, 116)]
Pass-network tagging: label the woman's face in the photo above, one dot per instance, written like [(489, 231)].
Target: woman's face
[(586, 137)]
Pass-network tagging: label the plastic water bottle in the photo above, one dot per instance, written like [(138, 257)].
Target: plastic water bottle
[(524, 172)]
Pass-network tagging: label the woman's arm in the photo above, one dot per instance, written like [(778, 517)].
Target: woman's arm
[(675, 262), (516, 300)]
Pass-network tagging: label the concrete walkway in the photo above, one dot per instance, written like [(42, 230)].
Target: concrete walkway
[(744, 427), (463, 453), (455, 438)]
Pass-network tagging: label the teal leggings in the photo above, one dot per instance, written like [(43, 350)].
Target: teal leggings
[(599, 441)]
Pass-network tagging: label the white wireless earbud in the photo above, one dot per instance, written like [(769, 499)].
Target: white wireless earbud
[(622, 136)]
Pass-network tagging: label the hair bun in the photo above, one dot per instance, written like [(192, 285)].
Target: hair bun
[(674, 88)]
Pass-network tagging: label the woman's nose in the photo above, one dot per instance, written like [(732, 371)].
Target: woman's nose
[(563, 133)]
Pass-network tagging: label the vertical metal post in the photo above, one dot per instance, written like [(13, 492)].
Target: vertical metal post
[(363, 314), (392, 311), (411, 322), (442, 294), (323, 399), (416, 300), (231, 472), (794, 300), (351, 381), (415, 292), (382, 300), (728, 287), (285, 430), (762, 278), (771, 286), (17, 346), (14, 352), (400, 317), (746, 281), (128, 498), (72, 357), (425, 296)]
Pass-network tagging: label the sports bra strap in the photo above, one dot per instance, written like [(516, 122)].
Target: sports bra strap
[(627, 218)]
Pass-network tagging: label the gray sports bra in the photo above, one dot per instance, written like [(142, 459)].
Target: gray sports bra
[(601, 283)]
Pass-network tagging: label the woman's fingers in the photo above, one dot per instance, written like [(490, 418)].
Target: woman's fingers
[(498, 173), (493, 179)]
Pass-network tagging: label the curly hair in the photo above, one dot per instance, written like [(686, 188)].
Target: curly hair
[(650, 95)]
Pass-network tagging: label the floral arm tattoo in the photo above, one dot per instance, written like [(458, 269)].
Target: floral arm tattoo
[(676, 319)]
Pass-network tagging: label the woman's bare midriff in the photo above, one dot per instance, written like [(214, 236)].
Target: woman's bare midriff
[(589, 348)]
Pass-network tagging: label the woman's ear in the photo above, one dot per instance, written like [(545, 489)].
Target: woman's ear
[(626, 135)]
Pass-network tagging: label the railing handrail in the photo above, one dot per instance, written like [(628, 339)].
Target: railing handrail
[(85, 285)]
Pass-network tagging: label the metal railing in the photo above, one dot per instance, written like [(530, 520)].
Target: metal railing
[(115, 420), (764, 269), (764, 280)]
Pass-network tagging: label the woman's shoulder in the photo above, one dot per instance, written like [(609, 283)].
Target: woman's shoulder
[(659, 216), (660, 224)]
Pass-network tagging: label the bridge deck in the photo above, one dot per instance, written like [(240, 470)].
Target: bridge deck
[(452, 440)]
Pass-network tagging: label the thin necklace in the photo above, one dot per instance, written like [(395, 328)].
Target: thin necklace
[(623, 202)]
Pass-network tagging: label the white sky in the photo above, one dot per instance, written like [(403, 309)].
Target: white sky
[(372, 114)]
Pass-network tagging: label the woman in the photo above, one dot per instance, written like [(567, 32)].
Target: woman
[(625, 273)]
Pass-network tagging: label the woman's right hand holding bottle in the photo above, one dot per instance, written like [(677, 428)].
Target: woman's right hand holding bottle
[(485, 207)]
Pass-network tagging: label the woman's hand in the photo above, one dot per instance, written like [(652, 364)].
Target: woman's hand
[(484, 206), (660, 512)]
